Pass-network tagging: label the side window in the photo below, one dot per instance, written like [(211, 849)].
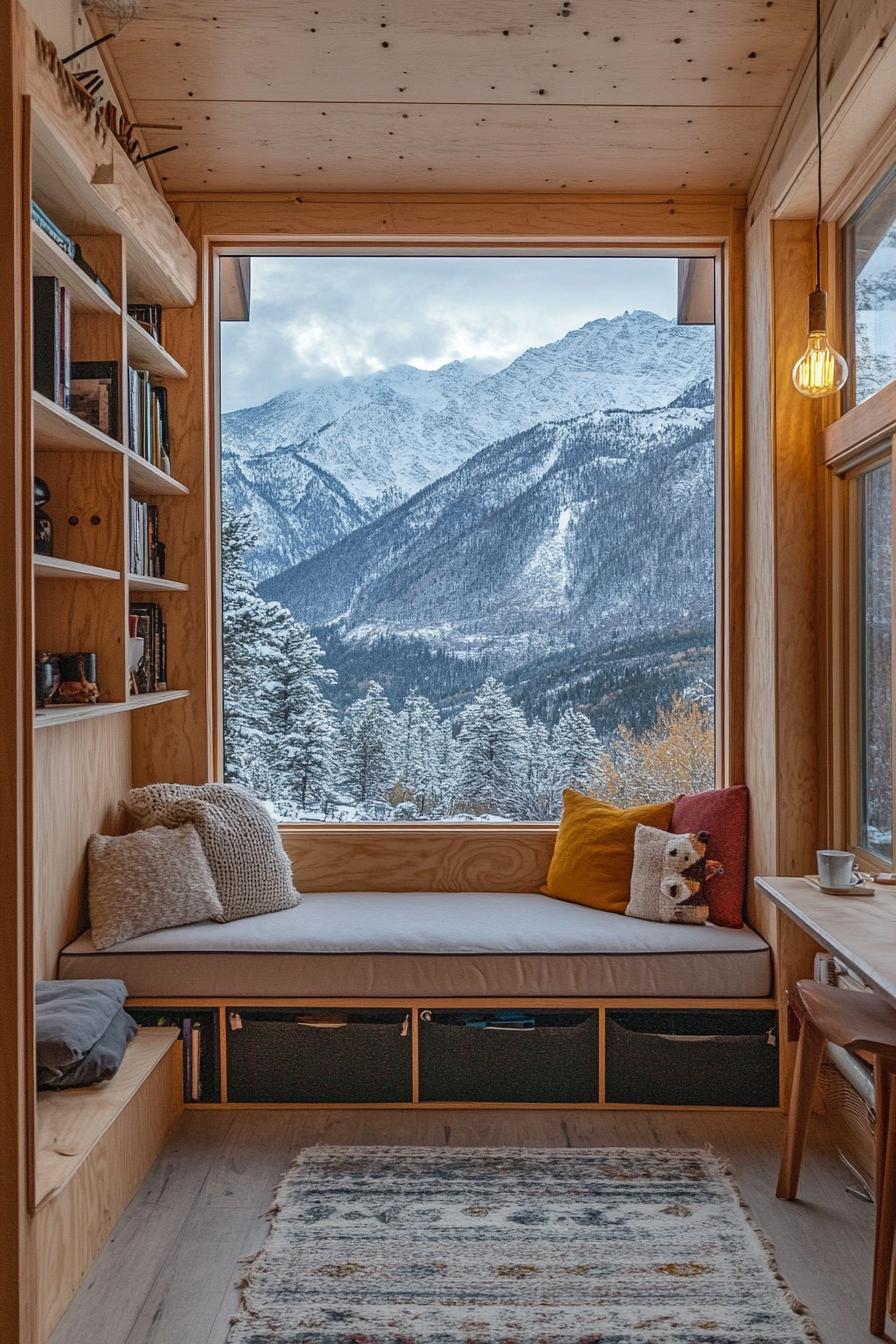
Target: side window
[(874, 571), (869, 258)]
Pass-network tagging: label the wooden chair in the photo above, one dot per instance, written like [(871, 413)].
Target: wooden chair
[(856, 1021)]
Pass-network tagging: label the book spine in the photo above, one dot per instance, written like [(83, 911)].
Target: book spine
[(45, 291)]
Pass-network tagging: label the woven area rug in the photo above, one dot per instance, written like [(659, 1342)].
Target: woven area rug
[(514, 1246)]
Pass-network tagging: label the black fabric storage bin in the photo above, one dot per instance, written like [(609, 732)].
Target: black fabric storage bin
[(690, 1057), (554, 1061), (272, 1057), (206, 1019)]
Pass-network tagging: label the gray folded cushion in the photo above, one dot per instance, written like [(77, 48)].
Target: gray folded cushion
[(70, 1017), (158, 878), (250, 868), (102, 1060)]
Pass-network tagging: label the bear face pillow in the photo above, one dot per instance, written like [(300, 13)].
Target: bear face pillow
[(669, 877)]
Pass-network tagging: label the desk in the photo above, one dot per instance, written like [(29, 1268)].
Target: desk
[(859, 930)]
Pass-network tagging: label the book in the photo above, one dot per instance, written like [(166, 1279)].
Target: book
[(94, 394), (146, 553), (149, 317), (46, 225), (51, 339), (151, 673), (186, 1032), (195, 1060)]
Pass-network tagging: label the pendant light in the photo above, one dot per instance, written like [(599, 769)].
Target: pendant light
[(820, 370)]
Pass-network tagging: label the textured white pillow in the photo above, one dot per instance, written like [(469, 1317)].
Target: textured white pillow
[(249, 865), (153, 879)]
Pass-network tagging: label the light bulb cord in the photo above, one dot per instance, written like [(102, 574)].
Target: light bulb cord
[(818, 140)]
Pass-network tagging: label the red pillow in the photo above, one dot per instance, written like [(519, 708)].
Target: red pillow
[(722, 812)]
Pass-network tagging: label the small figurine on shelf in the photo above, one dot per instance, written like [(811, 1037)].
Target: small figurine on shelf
[(77, 684), (43, 523)]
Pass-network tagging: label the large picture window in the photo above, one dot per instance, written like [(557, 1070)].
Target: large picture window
[(468, 523)]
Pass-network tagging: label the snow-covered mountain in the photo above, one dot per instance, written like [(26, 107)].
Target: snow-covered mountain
[(585, 534), (385, 437)]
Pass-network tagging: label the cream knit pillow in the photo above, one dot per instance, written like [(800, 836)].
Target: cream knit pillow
[(241, 842), (154, 879)]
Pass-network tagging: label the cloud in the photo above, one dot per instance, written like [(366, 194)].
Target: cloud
[(316, 319)]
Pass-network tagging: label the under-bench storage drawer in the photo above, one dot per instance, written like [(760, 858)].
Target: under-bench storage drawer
[(692, 1057), (552, 1060), (290, 1055)]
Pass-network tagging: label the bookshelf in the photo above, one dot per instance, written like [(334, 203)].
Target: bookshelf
[(126, 234)]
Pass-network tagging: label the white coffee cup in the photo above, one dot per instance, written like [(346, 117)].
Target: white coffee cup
[(836, 868)]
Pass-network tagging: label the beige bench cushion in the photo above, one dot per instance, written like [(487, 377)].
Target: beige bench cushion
[(433, 944)]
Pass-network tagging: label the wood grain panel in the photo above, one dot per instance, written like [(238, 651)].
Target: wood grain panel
[(798, 482), (69, 1231), (81, 771), (351, 147), (504, 52), (492, 221), (760, 747), (419, 858)]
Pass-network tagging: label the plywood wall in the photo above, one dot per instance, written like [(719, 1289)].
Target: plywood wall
[(81, 772)]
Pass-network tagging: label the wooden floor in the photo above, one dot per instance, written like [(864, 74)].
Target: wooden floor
[(169, 1273)]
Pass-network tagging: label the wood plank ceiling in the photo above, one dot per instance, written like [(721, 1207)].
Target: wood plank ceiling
[(464, 95)]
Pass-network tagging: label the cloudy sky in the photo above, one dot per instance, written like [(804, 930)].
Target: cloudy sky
[(316, 319)]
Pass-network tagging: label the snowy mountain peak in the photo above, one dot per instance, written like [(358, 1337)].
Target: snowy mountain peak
[(389, 434)]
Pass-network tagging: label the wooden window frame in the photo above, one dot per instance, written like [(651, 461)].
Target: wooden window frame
[(702, 229), (859, 439)]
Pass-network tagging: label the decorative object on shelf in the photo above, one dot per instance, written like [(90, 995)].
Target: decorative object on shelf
[(820, 370), (43, 523), (77, 684), (94, 394), (46, 678)]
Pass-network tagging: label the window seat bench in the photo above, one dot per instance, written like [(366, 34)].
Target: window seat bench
[(433, 945), (455, 999)]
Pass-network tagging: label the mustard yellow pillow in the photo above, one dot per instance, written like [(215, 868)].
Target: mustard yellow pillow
[(595, 850)]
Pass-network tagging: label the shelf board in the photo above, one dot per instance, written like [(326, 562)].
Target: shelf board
[(71, 1123), (147, 584), (147, 479), (54, 715), (84, 295), (57, 428), (53, 567), (144, 352)]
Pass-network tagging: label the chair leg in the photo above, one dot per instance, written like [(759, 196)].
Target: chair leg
[(885, 1195), (808, 1062)]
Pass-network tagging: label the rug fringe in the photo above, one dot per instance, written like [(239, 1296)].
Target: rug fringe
[(797, 1306)]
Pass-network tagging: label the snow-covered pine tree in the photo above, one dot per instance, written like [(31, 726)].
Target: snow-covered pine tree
[(576, 748), (536, 794), (273, 702), (310, 751), (366, 766), (417, 741), (248, 750), (493, 751)]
